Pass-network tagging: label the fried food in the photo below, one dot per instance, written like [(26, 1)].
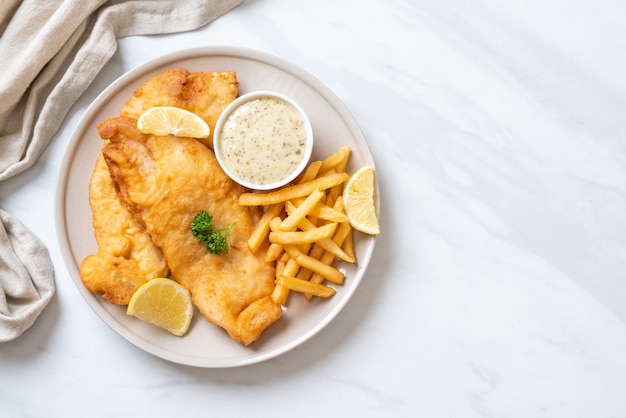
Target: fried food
[(126, 256), (164, 182), (204, 93), (146, 191), (293, 192), (306, 235), (305, 286)]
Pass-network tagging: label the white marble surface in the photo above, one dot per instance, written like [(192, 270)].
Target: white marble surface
[(497, 288)]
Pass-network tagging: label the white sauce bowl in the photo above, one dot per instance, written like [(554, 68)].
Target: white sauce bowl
[(263, 140)]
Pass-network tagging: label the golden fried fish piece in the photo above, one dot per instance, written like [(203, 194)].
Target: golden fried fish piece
[(126, 256), (203, 93), (165, 182)]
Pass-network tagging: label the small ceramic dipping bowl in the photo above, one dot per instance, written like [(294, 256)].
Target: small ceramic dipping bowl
[(263, 140)]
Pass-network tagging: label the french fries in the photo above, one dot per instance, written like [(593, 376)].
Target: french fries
[(306, 229), (290, 192), (323, 269), (325, 212), (304, 286), (303, 237), (263, 226), (325, 243)]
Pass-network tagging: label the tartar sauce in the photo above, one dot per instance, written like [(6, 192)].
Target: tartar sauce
[(263, 140)]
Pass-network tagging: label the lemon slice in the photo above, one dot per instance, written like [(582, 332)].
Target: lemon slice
[(358, 197), (164, 303), (169, 120)]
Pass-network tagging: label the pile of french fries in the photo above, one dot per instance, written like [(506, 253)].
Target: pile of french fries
[(307, 229)]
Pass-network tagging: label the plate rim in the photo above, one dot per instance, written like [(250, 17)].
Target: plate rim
[(73, 145)]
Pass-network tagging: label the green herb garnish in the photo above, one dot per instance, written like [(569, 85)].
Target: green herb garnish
[(213, 239)]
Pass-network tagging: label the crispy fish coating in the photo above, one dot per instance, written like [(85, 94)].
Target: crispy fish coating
[(126, 256), (203, 93), (165, 182)]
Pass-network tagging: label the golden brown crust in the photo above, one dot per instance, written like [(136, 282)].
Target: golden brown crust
[(161, 183), (253, 320), (126, 256), (166, 181)]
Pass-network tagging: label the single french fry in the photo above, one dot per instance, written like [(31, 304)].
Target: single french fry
[(327, 259), (262, 227), (327, 213), (327, 271), (311, 172), (293, 219), (304, 286), (337, 161), (315, 278), (304, 274), (334, 198), (288, 267), (292, 192), (304, 248), (342, 232), (338, 203), (280, 266), (280, 294), (274, 251), (275, 223), (291, 268), (333, 194), (303, 237), (348, 244)]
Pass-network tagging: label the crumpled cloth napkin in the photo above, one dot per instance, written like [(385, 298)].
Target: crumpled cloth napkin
[(26, 277), (50, 51)]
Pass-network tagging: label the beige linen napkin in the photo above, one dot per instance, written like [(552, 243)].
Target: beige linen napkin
[(50, 51), (26, 277)]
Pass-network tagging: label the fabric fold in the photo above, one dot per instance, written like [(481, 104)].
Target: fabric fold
[(26, 277), (57, 48)]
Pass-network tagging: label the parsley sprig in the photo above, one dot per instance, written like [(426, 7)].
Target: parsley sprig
[(213, 239)]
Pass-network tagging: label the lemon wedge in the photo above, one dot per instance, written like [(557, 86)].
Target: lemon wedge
[(164, 303), (358, 197), (169, 120)]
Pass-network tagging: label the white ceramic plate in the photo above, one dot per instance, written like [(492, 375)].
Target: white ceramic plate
[(206, 345)]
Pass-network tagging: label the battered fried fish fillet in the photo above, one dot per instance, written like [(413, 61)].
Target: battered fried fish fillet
[(126, 256), (203, 93), (165, 182)]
